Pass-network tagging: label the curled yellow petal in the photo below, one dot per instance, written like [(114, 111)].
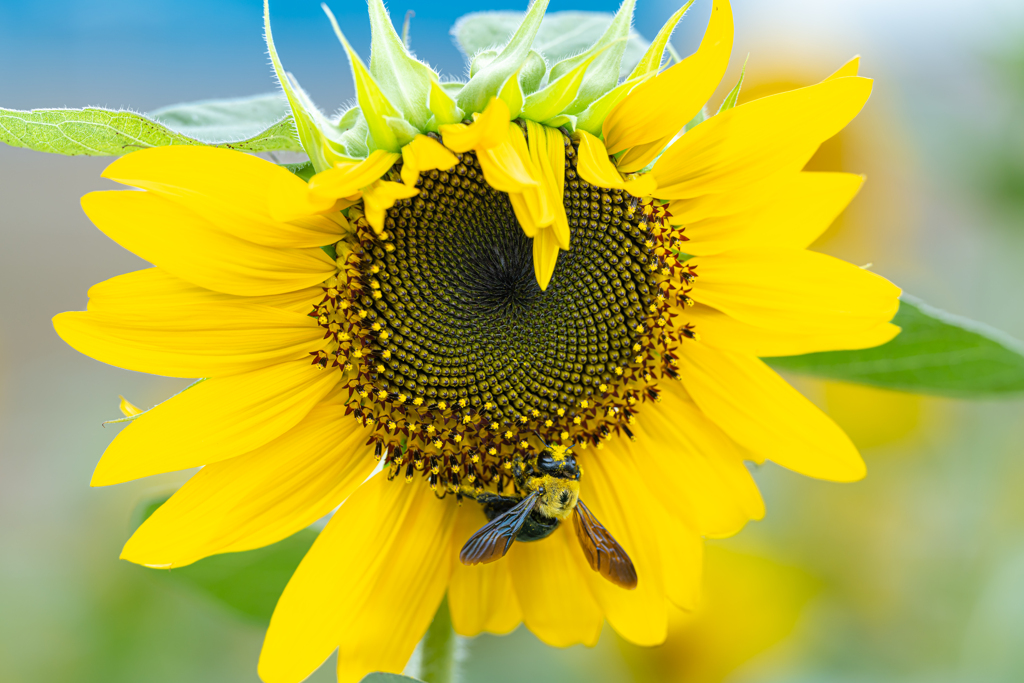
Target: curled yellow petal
[(348, 178), (424, 153), (490, 129), (545, 257), (595, 166), (505, 166), (380, 197), (536, 197)]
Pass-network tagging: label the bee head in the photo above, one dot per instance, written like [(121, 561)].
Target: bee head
[(558, 461)]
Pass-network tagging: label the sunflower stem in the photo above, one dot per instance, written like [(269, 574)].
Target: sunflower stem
[(438, 662)]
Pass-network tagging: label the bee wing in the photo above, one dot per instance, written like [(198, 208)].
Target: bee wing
[(603, 552), (494, 539)]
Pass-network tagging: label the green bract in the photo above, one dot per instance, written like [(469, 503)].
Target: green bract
[(558, 69)]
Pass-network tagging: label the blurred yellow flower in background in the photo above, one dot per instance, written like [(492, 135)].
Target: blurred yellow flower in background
[(748, 605)]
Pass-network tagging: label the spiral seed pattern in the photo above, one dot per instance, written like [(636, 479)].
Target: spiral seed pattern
[(465, 316), (460, 363)]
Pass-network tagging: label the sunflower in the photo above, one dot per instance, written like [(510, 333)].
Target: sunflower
[(539, 260)]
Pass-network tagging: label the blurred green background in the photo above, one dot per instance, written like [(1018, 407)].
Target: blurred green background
[(914, 575)]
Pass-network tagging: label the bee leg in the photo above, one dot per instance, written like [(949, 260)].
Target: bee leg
[(495, 505)]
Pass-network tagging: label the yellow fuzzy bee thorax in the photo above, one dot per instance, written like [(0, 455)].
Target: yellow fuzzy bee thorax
[(559, 497)]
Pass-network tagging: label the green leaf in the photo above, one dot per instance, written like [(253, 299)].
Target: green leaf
[(229, 119), (380, 677), (304, 170), (104, 132), (250, 582), (936, 353), (561, 34)]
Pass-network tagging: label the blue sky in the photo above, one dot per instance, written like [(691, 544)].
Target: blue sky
[(146, 54)]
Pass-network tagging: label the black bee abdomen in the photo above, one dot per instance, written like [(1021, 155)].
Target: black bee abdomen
[(537, 527)]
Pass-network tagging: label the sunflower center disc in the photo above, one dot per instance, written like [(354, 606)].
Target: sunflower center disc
[(467, 317)]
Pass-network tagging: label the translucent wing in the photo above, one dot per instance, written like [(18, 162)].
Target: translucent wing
[(494, 539), (603, 552)]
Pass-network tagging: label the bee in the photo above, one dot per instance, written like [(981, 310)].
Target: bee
[(549, 491)]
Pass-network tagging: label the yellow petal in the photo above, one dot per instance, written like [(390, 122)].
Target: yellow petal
[(660, 107), (596, 168), (794, 215), (201, 341), (682, 556), (536, 198), (424, 153), (547, 152), (215, 420), (157, 289), (851, 68), (290, 201), (614, 493), (692, 466), (370, 584), (594, 165), (760, 411), (505, 170), (636, 158), (490, 129), (758, 139), (480, 597), (348, 178), (748, 198), (230, 189), (794, 290), (545, 257), (261, 497), (553, 592), (642, 185), (380, 197), (725, 332), (183, 243)]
